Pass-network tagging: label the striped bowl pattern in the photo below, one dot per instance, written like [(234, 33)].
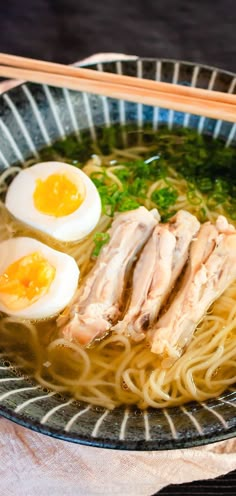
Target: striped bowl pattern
[(34, 116)]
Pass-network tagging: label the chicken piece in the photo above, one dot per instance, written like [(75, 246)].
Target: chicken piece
[(99, 300), (160, 264), (211, 269)]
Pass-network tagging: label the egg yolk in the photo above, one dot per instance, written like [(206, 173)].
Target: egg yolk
[(57, 195), (25, 281)]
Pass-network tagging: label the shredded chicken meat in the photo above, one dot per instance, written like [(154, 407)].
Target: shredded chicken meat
[(210, 270), (156, 272), (99, 301)]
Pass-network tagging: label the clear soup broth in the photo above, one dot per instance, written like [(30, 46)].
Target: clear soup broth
[(167, 170)]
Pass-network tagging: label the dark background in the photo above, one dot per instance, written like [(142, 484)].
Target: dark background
[(201, 31), (67, 30)]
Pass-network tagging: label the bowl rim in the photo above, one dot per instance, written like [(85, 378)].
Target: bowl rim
[(155, 444), (130, 58), (124, 445)]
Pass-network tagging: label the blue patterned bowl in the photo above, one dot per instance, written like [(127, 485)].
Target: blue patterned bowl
[(33, 116)]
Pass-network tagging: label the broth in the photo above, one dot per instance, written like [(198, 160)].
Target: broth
[(168, 170)]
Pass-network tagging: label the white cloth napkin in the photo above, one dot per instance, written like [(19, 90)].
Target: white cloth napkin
[(35, 464)]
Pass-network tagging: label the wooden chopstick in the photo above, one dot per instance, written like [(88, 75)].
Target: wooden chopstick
[(207, 103), (54, 68)]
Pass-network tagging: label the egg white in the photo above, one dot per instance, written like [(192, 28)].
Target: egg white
[(62, 288), (73, 227)]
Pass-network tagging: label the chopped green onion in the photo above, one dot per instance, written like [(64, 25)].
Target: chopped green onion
[(204, 184), (100, 239), (215, 199), (193, 198), (122, 174), (165, 197), (128, 204), (202, 215), (138, 187)]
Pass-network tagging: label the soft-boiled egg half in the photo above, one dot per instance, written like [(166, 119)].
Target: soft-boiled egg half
[(55, 198), (36, 282)]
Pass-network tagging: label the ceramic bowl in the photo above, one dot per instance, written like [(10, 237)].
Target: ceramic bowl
[(34, 116)]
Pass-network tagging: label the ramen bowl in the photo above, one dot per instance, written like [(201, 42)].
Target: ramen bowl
[(35, 116)]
